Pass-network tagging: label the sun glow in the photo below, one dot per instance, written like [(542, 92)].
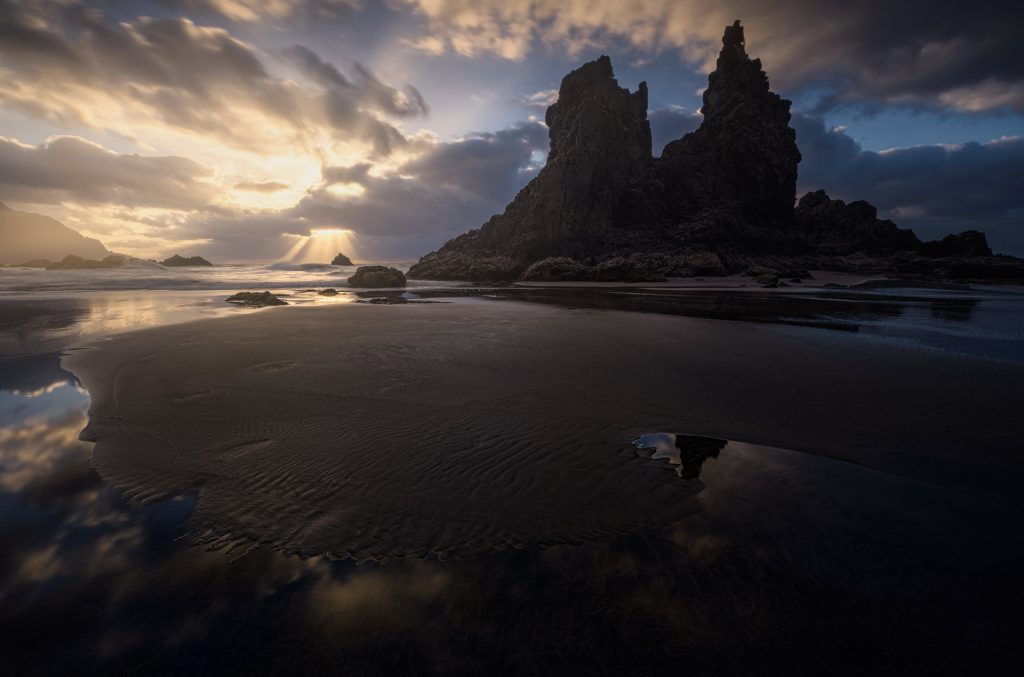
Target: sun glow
[(321, 245)]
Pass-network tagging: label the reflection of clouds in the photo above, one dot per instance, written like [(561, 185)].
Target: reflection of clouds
[(44, 390), (385, 599), (42, 452)]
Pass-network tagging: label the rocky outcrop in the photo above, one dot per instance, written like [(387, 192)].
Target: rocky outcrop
[(834, 228), (255, 299), (967, 243), (72, 262), (600, 141), (25, 236), (376, 277), (341, 260), (720, 200), (177, 261), (743, 157)]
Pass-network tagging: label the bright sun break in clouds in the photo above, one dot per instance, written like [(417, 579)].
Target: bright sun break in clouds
[(321, 245)]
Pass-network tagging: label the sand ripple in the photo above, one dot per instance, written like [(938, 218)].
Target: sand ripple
[(397, 434)]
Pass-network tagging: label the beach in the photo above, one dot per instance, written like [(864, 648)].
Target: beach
[(451, 485)]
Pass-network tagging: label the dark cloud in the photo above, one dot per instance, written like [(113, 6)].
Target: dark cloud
[(933, 189), (194, 77), (365, 87), (966, 56), (485, 166), (71, 168)]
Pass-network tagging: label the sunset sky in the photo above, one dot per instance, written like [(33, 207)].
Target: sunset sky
[(236, 128)]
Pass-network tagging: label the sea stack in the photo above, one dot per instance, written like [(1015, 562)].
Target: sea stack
[(600, 142), (720, 200)]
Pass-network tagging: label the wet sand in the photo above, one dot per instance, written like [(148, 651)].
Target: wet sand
[(384, 431)]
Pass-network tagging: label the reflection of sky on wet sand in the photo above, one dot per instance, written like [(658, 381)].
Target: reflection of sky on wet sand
[(797, 562)]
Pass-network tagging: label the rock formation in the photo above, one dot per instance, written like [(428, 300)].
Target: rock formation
[(720, 200), (25, 236), (600, 141), (743, 157), (178, 261), (835, 228), (341, 260), (375, 277), (72, 262), (255, 299)]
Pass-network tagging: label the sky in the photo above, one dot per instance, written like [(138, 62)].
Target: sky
[(264, 130)]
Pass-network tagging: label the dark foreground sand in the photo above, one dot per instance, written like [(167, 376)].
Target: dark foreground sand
[(386, 431)]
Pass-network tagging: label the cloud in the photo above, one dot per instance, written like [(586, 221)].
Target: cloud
[(261, 10), (968, 58), (261, 186), (934, 189), (71, 168), (442, 191), (76, 67)]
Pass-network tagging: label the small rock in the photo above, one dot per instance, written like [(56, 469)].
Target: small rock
[(341, 260), (180, 261), (330, 291), (255, 299)]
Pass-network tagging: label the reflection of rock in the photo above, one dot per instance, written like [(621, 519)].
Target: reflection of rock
[(177, 261), (341, 260), (371, 277), (689, 452), (255, 299), (385, 300)]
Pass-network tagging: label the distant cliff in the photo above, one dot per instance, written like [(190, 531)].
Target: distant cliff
[(25, 236), (720, 200)]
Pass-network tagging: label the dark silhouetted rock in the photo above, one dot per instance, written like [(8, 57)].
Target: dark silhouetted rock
[(177, 261), (556, 269), (967, 243), (600, 140), (718, 201), (372, 277), (835, 228), (330, 291), (255, 299), (341, 260), (72, 262), (743, 158)]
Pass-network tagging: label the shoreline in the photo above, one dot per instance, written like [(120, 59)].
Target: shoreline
[(218, 404)]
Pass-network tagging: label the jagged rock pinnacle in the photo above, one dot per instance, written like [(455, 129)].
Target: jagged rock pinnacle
[(718, 200)]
